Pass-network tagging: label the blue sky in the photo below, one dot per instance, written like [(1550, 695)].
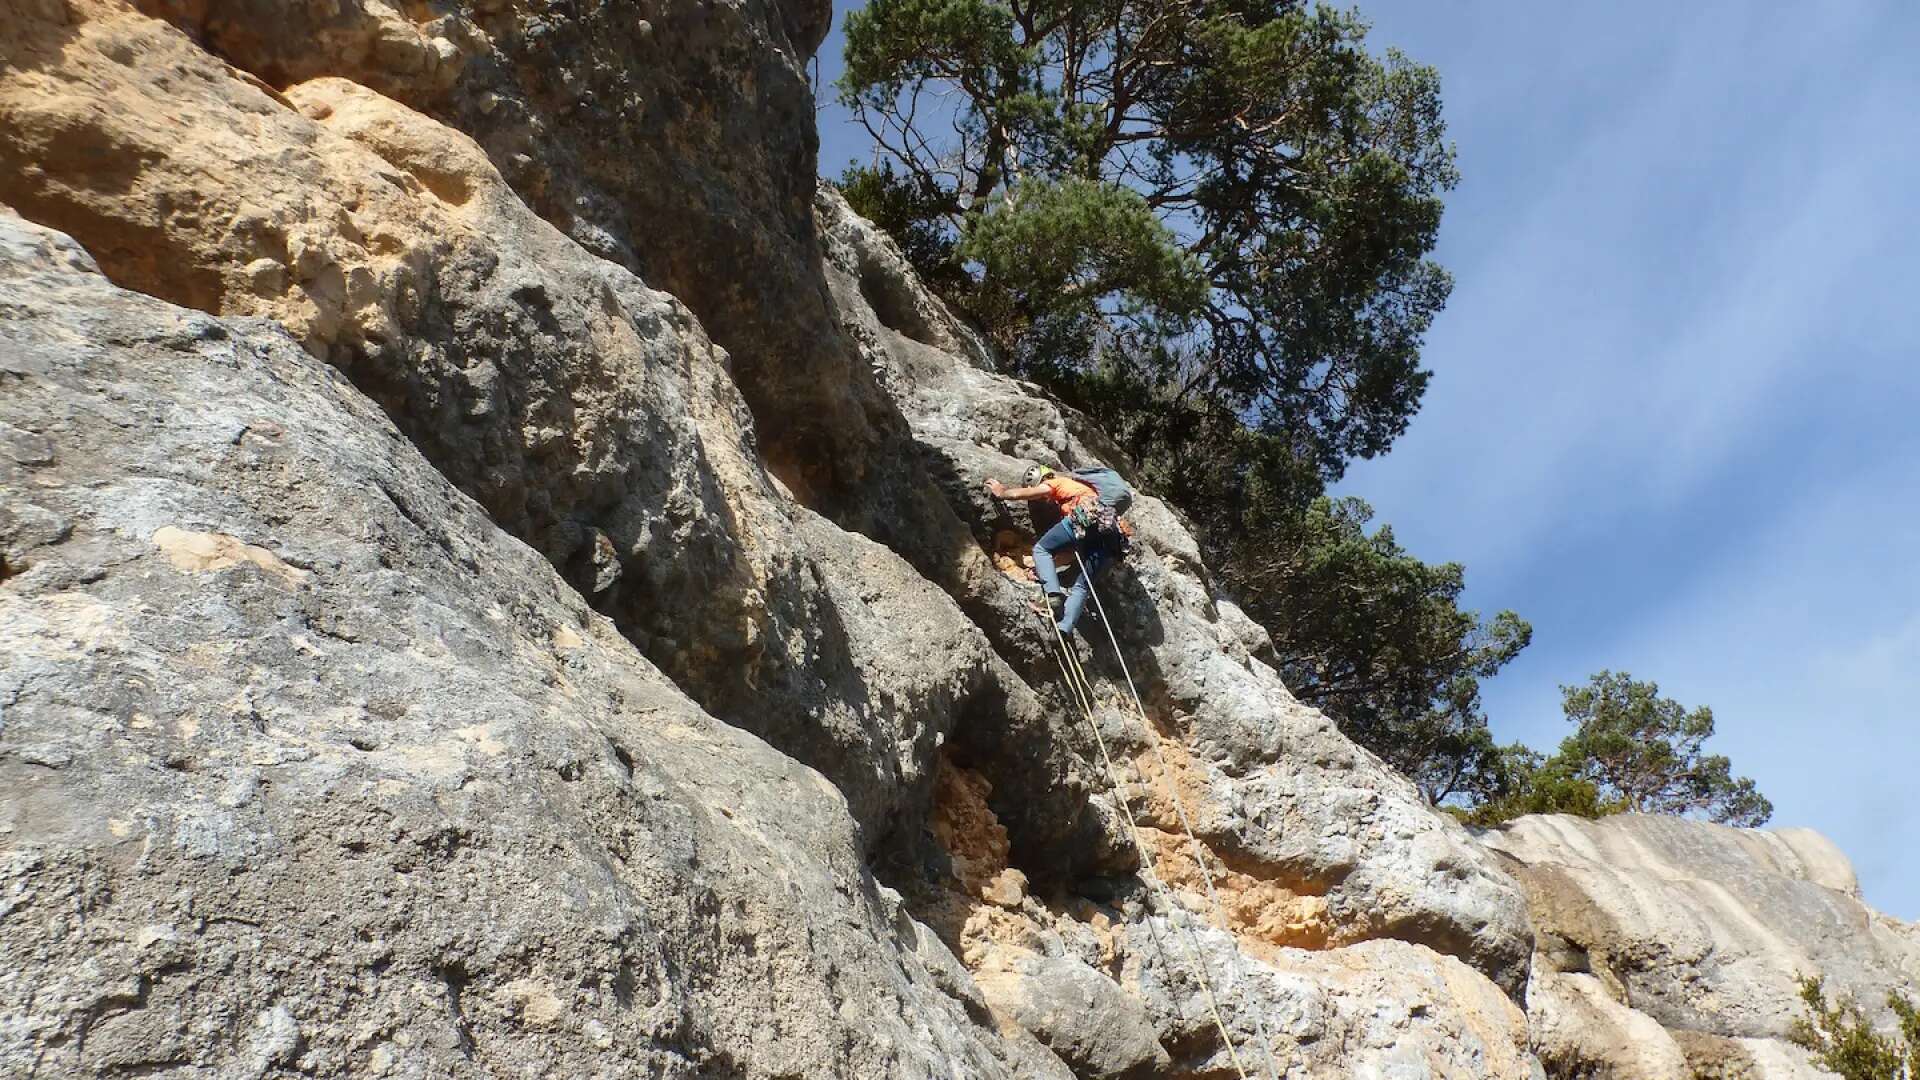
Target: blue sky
[(1675, 418)]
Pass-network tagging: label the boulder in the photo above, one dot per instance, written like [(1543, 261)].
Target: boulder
[(1375, 1009), (1666, 946), (1084, 1017)]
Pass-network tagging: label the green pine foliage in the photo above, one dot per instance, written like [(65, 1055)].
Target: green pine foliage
[(1632, 751), (1526, 782), (1844, 1042), (1646, 753), (1206, 224), (1068, 244), (1377, 638), (1229, 198)]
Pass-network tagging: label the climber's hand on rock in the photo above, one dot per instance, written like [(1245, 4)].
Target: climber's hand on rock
[(997, 489)]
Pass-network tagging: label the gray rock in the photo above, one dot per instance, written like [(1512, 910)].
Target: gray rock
[(1379, 1008), (675, 137), (1279, 789), (1667, 945), (349, 782), (307, 764), (588, 413), (1079, 1014)]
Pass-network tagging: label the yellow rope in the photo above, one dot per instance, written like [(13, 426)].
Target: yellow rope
[(1083, 696), (1194, 846), (1083, 693)]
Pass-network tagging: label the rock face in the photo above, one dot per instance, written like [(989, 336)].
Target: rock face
[(588, 413), (1670, 948), (1265, 778), (675, 137), (495, 579), (310, 767)]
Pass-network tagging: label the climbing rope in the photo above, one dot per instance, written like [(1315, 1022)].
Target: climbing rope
[(1179, 806), (1082, 688)]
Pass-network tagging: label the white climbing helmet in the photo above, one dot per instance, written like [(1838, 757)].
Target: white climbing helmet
[(1035, 474)]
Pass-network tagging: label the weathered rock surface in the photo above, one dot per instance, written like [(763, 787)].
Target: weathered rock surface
[(405, 720), (675, 137), (1379, 1008), (309, 767), (1081, 1015), (1273, 787), (588, 413), (1672, 948)]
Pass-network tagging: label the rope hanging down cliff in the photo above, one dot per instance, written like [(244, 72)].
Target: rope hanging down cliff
[(1194, 847), (1090, 503), (1082, 690), (1083, 696)]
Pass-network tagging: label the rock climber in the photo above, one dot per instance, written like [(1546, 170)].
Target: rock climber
[(1081, 514)]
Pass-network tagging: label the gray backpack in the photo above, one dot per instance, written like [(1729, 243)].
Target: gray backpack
[(1114, 492)]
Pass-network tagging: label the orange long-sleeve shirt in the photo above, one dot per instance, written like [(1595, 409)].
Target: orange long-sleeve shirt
[(1067, 492)]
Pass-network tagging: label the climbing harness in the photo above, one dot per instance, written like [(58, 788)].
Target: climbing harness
[(1082, 690)]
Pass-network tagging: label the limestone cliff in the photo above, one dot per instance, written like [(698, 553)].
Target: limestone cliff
[(1671, 948), (494, 579), (310, 768)]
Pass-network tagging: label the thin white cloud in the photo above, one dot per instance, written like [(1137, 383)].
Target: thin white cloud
[(1808, 649), (1677, 390), (1607, 335)]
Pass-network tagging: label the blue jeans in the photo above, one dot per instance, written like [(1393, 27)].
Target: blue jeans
[(1059, 538)]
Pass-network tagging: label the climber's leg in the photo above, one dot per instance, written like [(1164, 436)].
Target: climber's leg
[(1077, 599), (1057, 538)]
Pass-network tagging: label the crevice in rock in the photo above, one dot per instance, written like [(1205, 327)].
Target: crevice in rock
[(1046, 804), (625, 984), (623, 756), (454, 979), (962, 882), (893, 304)]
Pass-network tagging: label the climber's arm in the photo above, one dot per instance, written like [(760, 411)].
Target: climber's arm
[(1002, 491)]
